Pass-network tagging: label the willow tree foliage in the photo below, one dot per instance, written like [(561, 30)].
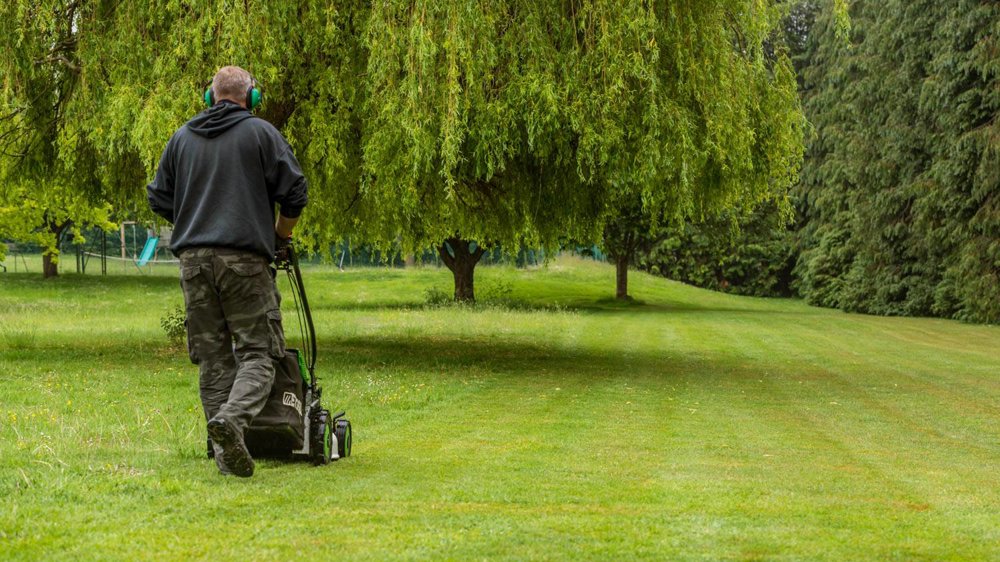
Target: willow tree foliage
[(743, 251), (92, 90), (419, 123), (49, 176), (746, 129), (537, 122), (902, 181)]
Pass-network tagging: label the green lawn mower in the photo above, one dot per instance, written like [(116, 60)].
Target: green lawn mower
[(293, 423)]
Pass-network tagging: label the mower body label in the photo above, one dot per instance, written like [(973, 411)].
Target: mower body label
[(289, 399)]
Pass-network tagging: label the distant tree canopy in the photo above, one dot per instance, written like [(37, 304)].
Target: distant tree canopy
[(52, 176), (765, 129), (901, 184), (746, 254)]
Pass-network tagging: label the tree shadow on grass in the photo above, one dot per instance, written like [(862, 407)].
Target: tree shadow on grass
[(600, 306), (456, 357), (34, 280), (444, 355), (319, 300), (416, 306), (595, 302)]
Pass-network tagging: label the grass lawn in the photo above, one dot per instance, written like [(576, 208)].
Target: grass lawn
[(693, 426)]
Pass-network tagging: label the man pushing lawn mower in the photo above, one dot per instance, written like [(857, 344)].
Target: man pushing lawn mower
[(218, 182)]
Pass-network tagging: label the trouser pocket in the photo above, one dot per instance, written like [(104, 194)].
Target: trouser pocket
[(196, 293), (195, 287), (191, 353), (276, 334)]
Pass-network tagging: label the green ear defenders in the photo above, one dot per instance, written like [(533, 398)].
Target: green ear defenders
[(253, 95)]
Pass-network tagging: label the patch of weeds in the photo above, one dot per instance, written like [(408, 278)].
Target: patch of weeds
[(18, 338), (434, 296), (495, 296), (498, 293), (173, 325), (384, 389), (18, 307)]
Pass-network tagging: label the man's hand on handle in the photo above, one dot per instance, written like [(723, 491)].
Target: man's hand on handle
[(283, 236), (281, 248)]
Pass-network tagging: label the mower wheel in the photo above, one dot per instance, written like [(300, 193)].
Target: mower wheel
[(322, 443), (344, 436)]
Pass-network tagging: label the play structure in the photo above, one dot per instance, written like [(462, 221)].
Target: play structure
[(138, 247)]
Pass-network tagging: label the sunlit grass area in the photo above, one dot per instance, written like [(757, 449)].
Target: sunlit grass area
[(548, 422)]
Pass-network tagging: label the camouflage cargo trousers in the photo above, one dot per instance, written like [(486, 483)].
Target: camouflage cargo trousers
[(234, 330)]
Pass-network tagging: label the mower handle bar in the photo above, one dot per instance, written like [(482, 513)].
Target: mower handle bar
[(288, 260)]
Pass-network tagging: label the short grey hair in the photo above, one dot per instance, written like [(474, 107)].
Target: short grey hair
[(231, 83)]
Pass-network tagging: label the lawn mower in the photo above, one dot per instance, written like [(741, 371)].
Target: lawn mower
[(293, 423)]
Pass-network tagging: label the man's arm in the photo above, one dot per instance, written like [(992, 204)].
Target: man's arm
[(284, 226), (161, 191), (287, 187)]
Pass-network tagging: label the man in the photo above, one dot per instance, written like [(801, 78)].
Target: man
[(218, 182)]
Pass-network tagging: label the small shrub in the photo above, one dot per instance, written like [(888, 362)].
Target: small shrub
[(434, 296), (754, 259), (495, 295), (173, 325), (499, 292)]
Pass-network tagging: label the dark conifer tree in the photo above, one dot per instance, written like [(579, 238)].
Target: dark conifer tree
[(900, 186)]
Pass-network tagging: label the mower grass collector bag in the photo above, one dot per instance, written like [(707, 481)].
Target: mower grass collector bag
[(278, 428)]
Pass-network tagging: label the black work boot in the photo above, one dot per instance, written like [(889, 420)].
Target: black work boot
[(216, 455), (235, 459)]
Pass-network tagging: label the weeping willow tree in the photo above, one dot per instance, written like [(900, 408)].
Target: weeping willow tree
[(539, 122), (90, 91), (475, 133), (451, 124), (49, 177), (741, 141)]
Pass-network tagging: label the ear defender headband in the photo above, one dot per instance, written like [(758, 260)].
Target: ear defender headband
[(253, 95)]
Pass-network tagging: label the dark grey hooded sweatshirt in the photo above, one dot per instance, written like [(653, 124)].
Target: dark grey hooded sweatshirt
[(220, 177)]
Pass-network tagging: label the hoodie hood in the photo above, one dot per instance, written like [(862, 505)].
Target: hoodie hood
[(218, 119)]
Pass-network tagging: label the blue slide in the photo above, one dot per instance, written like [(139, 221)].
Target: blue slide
[(147, 251)]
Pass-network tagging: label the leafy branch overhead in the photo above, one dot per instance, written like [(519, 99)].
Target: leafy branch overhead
[(416, 120), (517, 120)]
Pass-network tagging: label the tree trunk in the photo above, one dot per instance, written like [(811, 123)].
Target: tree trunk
[(49, 267), (621, 278), (620, 241), (461, 260)]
